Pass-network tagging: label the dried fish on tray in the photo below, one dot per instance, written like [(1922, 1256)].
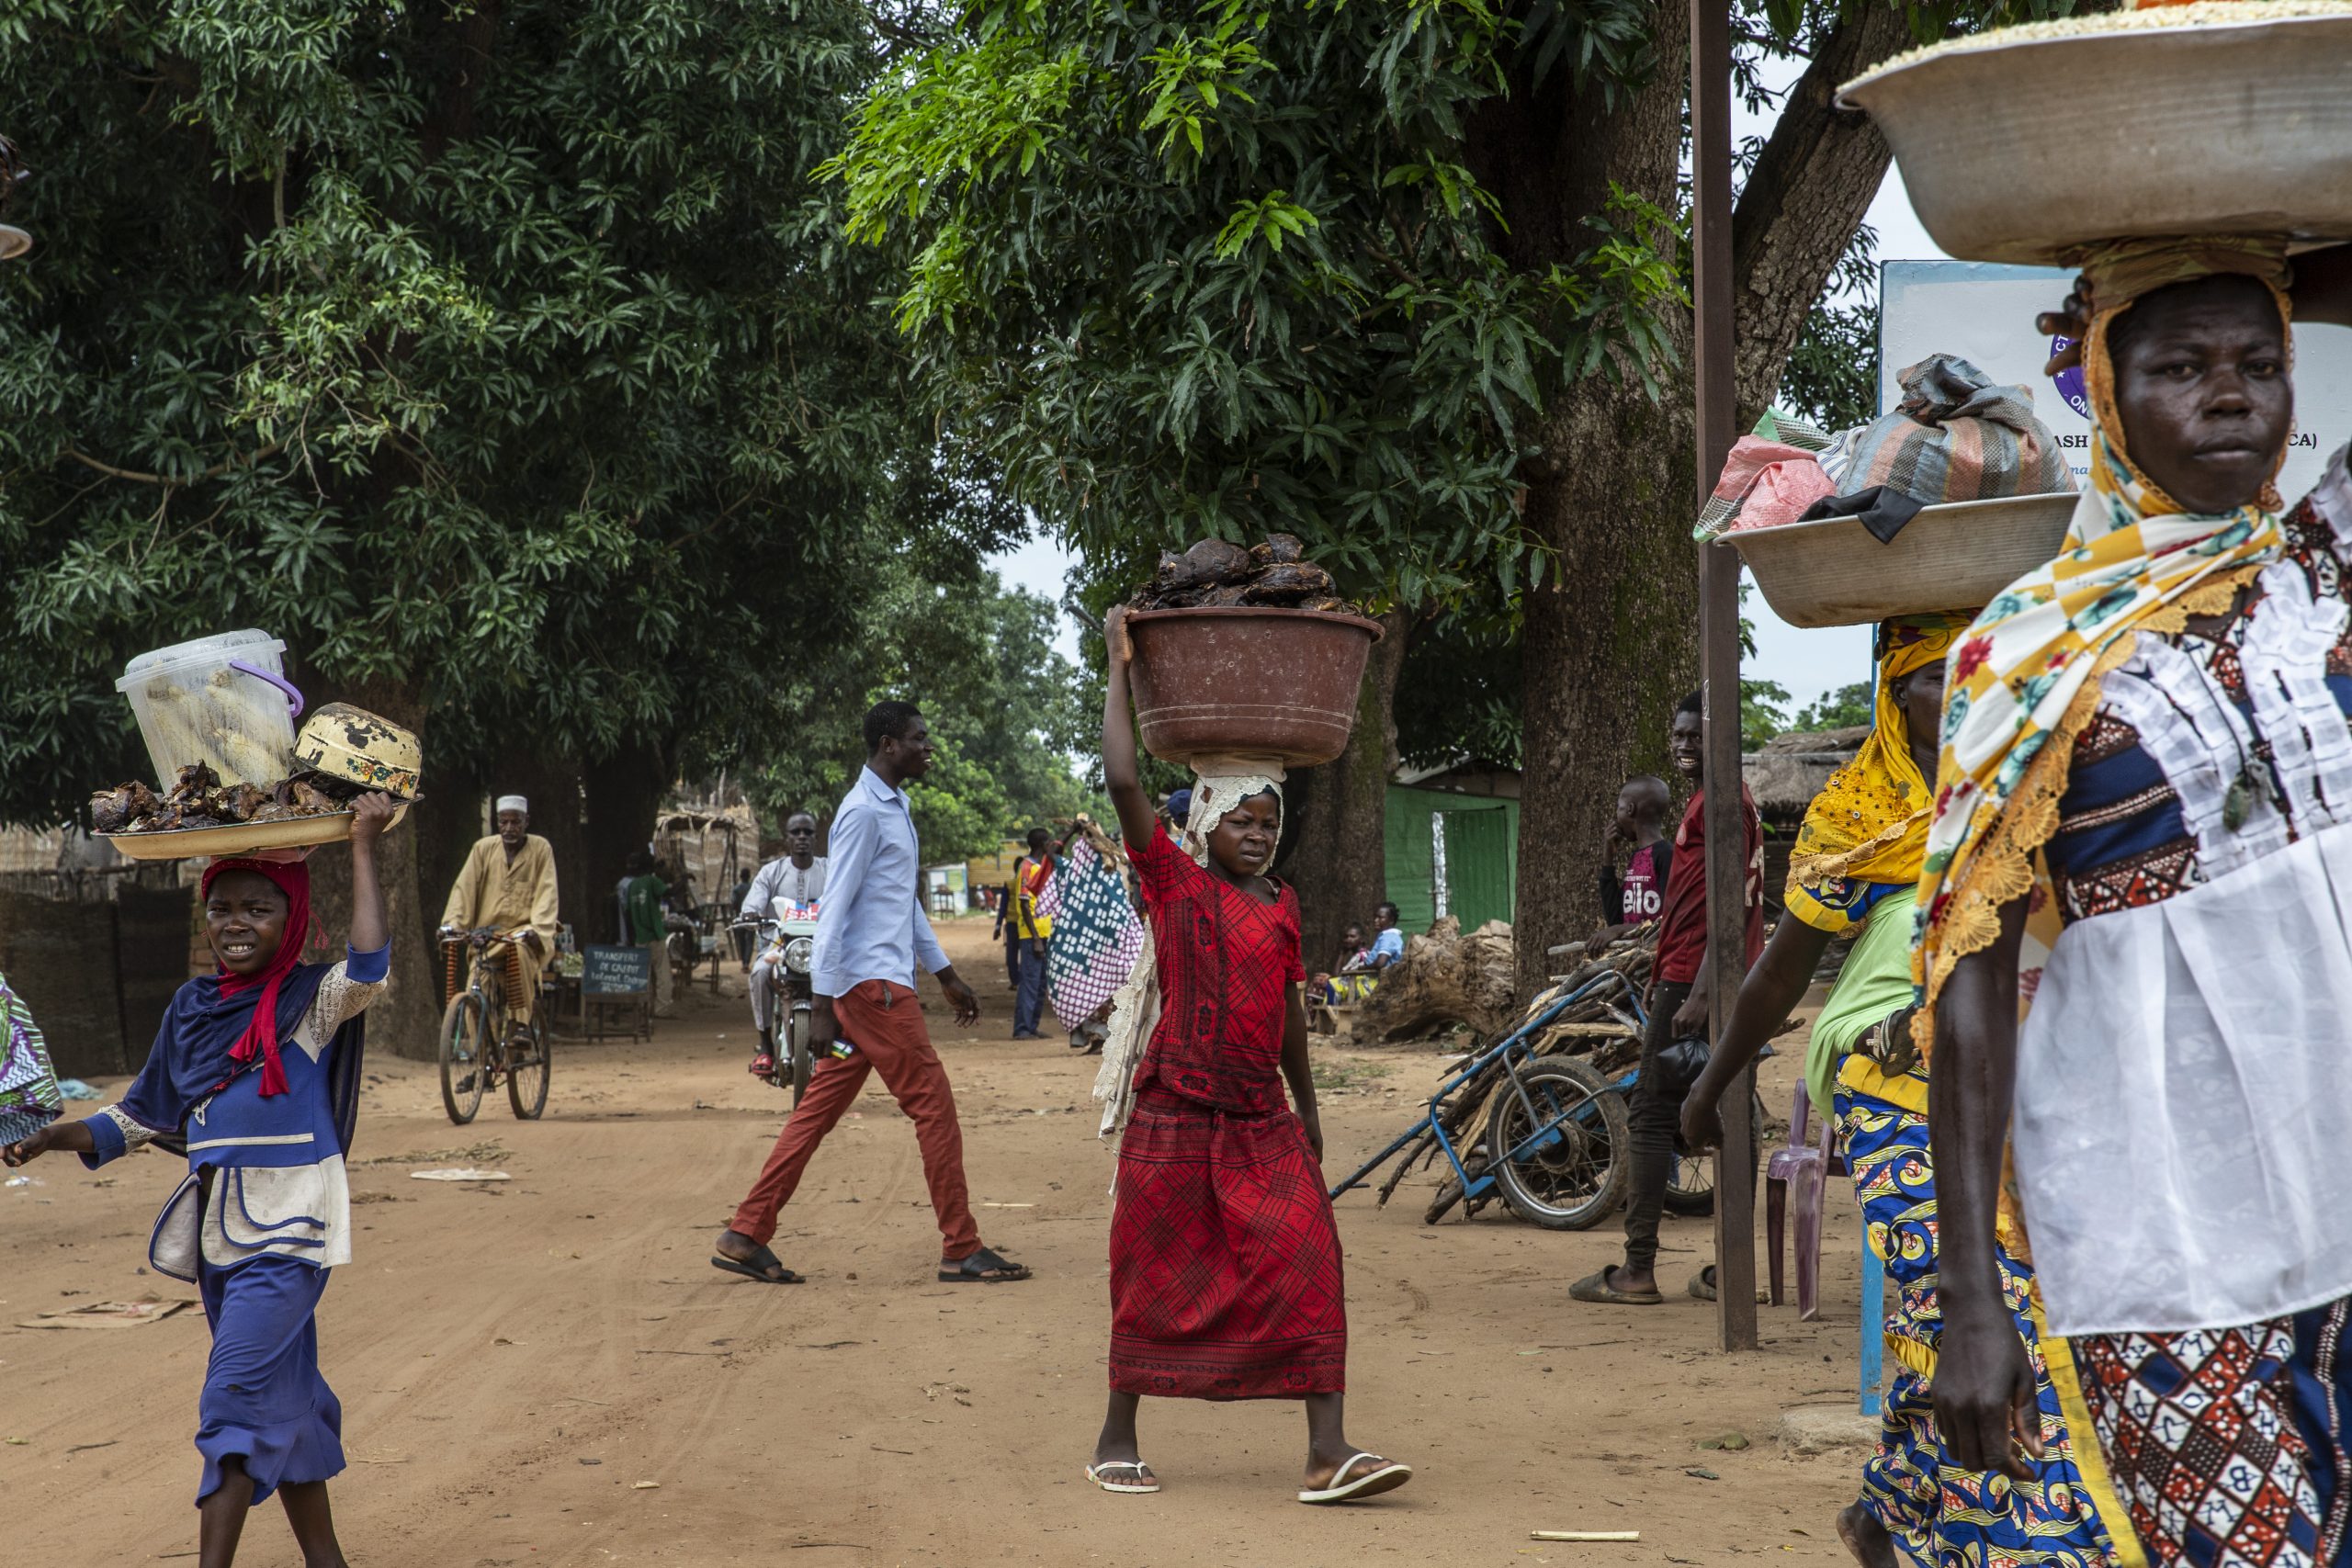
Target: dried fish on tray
[(200, 815)]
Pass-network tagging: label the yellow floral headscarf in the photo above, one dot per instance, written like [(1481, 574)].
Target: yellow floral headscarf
[(1869, 824), (2026, 680)]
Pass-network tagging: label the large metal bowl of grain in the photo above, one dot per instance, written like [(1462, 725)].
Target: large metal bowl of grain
[(2222, 116)]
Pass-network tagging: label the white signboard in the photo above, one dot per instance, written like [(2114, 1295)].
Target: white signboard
[(1984, 313)]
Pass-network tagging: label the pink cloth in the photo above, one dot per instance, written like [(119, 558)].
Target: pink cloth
[(1781, 493)]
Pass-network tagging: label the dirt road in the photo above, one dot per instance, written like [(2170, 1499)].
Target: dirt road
[(548, 1370)]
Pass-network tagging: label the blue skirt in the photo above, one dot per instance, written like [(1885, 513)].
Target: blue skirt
[(264, 1399), (1938, 1512)]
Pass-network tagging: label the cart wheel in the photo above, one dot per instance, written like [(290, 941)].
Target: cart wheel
[(1691, 1184), (1565, 1165)]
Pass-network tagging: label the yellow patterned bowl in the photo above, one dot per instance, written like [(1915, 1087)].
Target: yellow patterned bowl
[(346, 743)]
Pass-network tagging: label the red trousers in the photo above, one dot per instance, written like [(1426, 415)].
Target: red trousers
[(886, 1024)]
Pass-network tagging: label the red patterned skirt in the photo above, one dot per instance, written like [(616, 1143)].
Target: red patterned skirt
[(1225, 1261)]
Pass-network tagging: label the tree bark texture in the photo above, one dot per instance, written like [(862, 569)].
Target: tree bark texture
[(550, 782), (1335, 853), (621, 794), (1611, 639)]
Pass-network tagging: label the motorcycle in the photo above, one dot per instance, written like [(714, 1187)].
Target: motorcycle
[(789, 938)]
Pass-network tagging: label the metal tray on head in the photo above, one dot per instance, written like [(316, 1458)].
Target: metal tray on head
[(240, 837), (1957, 556), (2227, 117)]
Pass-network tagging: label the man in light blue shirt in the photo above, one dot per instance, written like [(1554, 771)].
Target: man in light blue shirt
[(1388, 946), (871, 933)]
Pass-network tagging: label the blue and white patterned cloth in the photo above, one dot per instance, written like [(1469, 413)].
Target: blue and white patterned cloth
[(28, 1096), (1097, 934)]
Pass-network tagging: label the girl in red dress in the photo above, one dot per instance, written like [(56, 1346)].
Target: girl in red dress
[(1225, 1261)]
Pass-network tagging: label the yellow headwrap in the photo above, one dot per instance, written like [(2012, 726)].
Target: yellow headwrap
[(2028, 674), (1869, 824)]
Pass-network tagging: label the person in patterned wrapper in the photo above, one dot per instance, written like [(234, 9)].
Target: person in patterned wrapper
[(2134, 952)]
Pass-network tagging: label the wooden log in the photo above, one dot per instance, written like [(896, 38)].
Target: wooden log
[(1445, 978)]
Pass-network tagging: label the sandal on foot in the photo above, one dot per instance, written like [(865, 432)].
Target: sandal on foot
[(757, 1266), (983, 1267), (1144, 1480), (763, 1065), (1598, 1288), (1381, 1476)]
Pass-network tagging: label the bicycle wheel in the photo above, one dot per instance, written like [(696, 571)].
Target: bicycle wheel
[(1690, 1183), (526, 1071), (1576, 1168), (803, 1060), (464, 1058)]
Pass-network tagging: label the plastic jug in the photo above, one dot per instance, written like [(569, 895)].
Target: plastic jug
[(219, 700)]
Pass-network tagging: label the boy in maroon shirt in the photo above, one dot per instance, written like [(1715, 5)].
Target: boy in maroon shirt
[(1637, 895), (1678, 1007)]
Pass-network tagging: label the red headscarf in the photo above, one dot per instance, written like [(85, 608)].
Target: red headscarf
[(293, 879)]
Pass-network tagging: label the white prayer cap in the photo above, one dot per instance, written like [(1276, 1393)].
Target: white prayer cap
[(514, 803)]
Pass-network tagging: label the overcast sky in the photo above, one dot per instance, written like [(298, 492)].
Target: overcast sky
[(1806, 663)]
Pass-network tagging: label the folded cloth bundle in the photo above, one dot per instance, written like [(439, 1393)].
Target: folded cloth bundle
[(1769, 478), (1956, 435)]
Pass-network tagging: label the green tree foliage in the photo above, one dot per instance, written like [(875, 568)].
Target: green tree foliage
[(1006, 708), (1763, 712), (1185, 270), (1841, 709), (504, 355), (1832, 374)]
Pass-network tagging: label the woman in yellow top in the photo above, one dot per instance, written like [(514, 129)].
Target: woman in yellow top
[(1857, 863)]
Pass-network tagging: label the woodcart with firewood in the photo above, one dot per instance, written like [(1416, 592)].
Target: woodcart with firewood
[(1585, 1031)]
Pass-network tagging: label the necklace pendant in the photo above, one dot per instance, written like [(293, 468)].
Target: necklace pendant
[(2237, 804)]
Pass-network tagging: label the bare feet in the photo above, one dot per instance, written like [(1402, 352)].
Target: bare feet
[(1866, 1538)]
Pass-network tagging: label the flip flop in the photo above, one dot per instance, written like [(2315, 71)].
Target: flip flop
[(756, 1266), (1145, 1482), (1371, 1483), (983, 1267), (1597, 1288)]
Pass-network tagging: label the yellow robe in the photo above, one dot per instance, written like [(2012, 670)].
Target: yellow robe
[(510, 895)]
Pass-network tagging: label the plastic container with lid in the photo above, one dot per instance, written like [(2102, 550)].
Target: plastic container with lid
[(219, 700)]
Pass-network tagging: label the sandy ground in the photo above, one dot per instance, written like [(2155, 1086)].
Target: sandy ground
[(548, 1370)]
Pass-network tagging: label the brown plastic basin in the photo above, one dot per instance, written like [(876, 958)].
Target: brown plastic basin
[(1246, 682)]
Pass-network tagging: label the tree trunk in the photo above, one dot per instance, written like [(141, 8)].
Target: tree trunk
[(449, 823), (551, 782), (621, 792), (1609, 643), (1335, 852)]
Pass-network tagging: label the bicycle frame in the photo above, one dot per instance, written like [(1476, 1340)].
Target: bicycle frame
[(484, 978), (1514, 1047)]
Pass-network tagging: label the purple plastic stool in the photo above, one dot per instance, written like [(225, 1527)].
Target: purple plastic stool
[(1807, 1165)]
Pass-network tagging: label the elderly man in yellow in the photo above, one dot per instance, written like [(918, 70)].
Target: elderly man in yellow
[(507, 888)]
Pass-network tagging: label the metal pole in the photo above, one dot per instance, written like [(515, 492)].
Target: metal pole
[(1719, 650)]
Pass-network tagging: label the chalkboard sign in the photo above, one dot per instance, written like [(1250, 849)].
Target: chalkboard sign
[(616, 971)]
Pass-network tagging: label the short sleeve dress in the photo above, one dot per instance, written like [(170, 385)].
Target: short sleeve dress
[(1224, 1262)]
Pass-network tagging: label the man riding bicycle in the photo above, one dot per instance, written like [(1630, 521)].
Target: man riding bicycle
[(795, 879), (506, 889)]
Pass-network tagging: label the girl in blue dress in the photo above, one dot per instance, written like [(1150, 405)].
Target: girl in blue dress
[(255, 1076)]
